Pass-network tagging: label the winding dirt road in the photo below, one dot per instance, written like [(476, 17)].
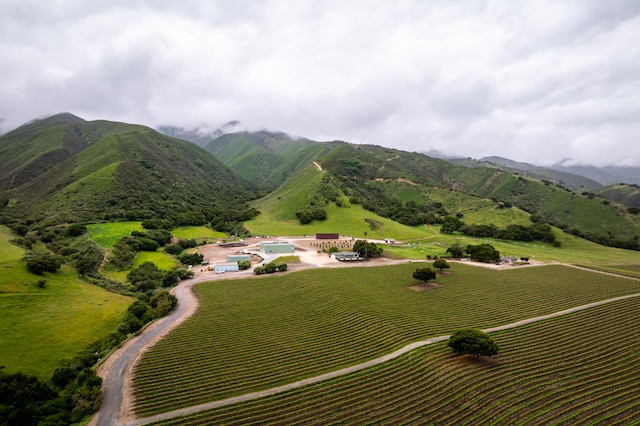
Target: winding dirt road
[(118, 373)]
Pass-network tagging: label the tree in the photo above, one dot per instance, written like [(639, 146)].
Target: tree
[(366, 249), (483, 253), (456, 250), (424, 274), (42, 263), (441, 264), (473, 342)]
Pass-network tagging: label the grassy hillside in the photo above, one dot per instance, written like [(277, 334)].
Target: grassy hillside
[(41, 326), (264, 157), (115, 171), (629, 195)]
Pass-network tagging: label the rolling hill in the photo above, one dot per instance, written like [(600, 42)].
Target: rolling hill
[(65, 169), (413, 188)]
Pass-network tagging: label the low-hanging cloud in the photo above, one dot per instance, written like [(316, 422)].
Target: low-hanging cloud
[(536, 81)]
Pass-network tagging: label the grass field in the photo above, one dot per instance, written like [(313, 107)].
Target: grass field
[(349, 221), (162, 260), (546, 373), (573, 250), (41, 326), (241, 339), (196, 232), (107, 234)]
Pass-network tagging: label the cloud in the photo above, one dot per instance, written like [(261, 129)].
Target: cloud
[(536, 81)]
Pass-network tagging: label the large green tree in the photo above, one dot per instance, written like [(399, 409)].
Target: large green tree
[(441, 264), (483, 253), (472, 342), (424, 274), (366, 249)]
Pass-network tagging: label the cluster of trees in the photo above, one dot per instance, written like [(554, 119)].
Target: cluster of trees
[(409, 213), (125, 250), (307, 216), (177, 248), (230, 220), (26, 400), (537, 231), (366, 249), (150, 305), (479, 252), (147, 276), (270, 268), (40, 263)]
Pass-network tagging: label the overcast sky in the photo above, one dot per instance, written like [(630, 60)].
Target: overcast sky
[(536, 81)]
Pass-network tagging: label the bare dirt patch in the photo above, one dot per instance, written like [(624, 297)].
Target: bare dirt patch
[(425, 286)]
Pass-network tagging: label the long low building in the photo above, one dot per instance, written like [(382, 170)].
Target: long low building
[(345, 255), (277, 247), (220, 267)]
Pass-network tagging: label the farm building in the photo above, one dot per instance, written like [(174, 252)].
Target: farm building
[(277, 247), (345, 255), (238, 258), (220, 267), (327, 236)]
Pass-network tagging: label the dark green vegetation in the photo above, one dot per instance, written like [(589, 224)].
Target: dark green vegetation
[(424, 274), (241, 339), (472, 342), (546, 373), (65, 169)]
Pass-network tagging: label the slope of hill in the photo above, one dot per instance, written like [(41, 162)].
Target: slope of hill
[(266, 158), (606, 175), (565, 179), (629, 195), (410, 188), (64, 169)]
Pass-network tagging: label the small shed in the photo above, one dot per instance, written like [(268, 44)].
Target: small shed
[(277, 247), (345, 255), (220, 267), (327, 236), (239, 258)]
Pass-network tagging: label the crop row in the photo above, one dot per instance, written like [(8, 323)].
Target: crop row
[(579, 369), (259, 333)]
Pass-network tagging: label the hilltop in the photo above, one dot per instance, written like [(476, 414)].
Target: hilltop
[(65, 169)]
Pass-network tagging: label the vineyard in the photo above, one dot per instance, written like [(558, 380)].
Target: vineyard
[(259, 333), (582, 368)]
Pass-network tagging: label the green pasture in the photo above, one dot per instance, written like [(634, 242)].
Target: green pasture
[(41, 326), (107, 234), (162, 260), (573, 250), (347, 221), (551, 372), (196, 232), (242, 340)]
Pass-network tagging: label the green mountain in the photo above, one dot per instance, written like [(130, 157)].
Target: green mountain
[(266, 158), (65, 169), (414, 189)]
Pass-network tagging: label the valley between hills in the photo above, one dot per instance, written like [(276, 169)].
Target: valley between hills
[(101, 222)]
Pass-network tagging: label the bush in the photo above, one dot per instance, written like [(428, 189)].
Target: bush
[(243, 265), (42, 263), (472, 342), (191, 259)]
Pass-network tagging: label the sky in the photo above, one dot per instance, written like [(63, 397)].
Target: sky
[(536, 81)]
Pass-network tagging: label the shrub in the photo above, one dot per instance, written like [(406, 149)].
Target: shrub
[(42, 263)]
